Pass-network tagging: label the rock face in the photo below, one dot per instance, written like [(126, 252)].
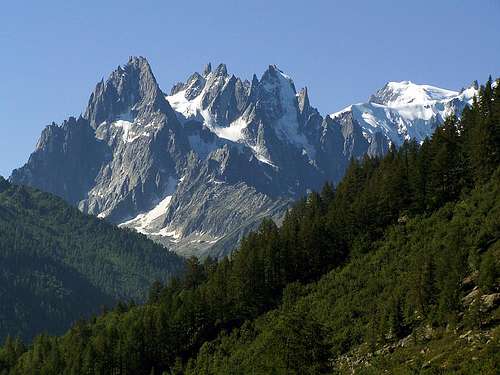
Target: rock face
[(199, 168)]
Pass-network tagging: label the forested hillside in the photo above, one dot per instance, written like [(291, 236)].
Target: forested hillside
[(404, 293), (58, 265), (398, 259)]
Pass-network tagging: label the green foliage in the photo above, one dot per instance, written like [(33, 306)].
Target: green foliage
[(489, 271), (411, 277)]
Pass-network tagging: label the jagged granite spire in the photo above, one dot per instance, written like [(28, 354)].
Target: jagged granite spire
[(128, 91), (207, 70), (303, 99), (252, 94), (194, 85), (178, 87), (221, 70)]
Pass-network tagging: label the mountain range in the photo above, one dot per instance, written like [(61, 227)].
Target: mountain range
[(199, 167)]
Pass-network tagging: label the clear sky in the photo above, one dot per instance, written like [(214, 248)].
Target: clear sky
[(52, 53)]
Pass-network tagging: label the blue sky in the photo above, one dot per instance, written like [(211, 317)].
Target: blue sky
[(54, 52)]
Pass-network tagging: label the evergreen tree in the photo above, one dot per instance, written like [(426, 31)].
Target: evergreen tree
[(488, 272)]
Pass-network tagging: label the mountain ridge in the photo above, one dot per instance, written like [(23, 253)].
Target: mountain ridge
[(195, 168)]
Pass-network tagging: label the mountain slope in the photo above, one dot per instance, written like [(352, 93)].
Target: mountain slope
[(413, 305), (58, 265), (198, 168)]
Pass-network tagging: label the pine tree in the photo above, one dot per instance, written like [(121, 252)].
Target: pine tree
[(446, 166), (488, 272), (483, 135)]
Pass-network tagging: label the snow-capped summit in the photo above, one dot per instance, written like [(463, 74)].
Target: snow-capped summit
[(236, 110), (402, 93), (404, 110)]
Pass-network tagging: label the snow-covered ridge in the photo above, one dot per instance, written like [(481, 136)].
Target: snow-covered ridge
[(275, 88), (405, 110), (403, 93), (193, 109), (125, 127)]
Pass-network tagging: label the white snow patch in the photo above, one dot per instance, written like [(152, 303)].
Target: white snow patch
[(187, 108), (142, 222), (336, 114), (125, 126), (129, 135), (192, 109), (259, 154), (234, 132), (166, 232)]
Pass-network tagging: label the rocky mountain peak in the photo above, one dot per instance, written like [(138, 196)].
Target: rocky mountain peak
[(178, 87), (270, 76), (194, 85), (252, 92), (273, 68), (407, 92), (474, 85), (221, 70), (276, 94), (131, 89), (207, 70), (273, 76)]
